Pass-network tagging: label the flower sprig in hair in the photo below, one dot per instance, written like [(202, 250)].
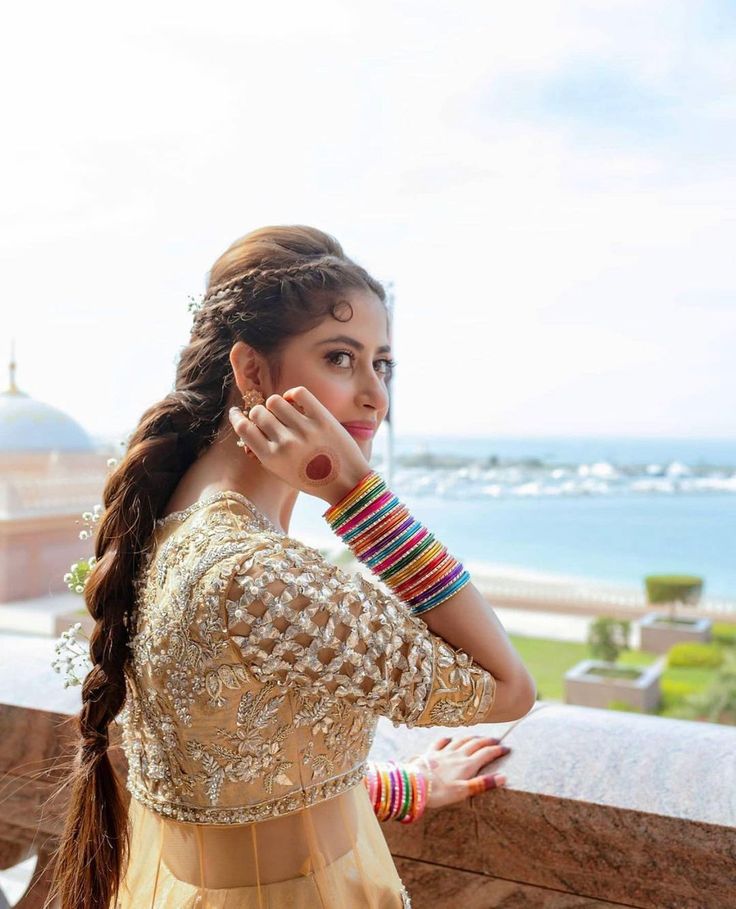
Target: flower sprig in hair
[(72, 656), (195, 303), (77, 575)]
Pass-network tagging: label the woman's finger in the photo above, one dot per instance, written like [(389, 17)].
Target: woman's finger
[(309, 404), (481, 741), (269, 424), (239, 422), (250, 433), (478, 784), (463, 740), (288, 413), (489, 753), (439, 744)]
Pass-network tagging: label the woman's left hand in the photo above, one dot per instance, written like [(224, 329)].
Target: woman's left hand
[(455, 763)]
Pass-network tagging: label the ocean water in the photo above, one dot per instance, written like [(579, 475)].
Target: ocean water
[(612, 510)]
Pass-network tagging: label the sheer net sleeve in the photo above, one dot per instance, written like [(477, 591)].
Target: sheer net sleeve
[(301, 621)]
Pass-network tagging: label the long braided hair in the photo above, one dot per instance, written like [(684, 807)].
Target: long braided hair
[(268, 286)]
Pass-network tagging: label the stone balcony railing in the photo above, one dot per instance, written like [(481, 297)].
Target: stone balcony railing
[(601, 808)]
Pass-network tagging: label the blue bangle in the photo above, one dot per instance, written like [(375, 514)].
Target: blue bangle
[(441, 597)]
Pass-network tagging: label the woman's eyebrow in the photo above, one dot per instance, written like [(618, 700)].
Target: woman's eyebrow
[(353, 343)]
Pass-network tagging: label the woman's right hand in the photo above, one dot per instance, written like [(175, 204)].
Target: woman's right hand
[(297, 438), (455, 765)]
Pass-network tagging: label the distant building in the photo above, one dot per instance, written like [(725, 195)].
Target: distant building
[(50, 472)]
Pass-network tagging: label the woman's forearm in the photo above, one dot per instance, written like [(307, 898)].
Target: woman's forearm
[(404, 554), (468, 622)]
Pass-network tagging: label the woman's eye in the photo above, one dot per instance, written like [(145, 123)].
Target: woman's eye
[(337, 354), (388, 364), (388, 367)]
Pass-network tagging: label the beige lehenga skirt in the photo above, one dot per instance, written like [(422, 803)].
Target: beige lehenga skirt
[(331, 855)]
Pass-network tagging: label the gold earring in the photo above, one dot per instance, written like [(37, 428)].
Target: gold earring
[(251, 398)]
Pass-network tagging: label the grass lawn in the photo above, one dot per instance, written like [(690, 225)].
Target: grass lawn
[(548, 660)]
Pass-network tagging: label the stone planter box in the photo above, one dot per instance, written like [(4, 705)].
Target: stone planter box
[(588, 689), (658, 632)]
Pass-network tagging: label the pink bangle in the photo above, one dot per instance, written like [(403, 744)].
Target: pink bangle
[(371, 782), (423, 794), (395, 790), (420, 797)]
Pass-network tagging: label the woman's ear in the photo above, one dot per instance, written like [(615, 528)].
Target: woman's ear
[(247, 366)]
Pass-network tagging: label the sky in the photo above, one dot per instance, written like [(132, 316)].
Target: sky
[(550, 188)]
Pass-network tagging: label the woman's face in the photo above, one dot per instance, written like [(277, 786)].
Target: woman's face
[(346, 365)]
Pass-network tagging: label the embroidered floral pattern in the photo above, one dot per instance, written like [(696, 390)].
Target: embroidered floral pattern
[(258, 670)]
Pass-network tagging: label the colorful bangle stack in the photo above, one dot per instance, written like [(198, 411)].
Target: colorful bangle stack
[(405, 555), (397, 791)]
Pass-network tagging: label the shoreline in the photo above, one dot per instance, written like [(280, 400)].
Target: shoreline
[(501, 575), (488, 571)]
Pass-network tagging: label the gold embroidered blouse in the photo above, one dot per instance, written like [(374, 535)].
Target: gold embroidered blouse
[(259, 669)]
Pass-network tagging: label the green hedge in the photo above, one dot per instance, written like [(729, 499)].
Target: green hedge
[(724, 633), (622, 705), (668, 588), (695, 654), (678, 688), (675, 693)]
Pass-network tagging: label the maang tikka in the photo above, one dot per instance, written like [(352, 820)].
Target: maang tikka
[(250, 399)]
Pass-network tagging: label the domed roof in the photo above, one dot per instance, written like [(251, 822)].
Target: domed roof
[(30, 425)]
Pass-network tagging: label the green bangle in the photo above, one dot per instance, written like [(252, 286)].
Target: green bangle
[(409, 557), (361, 502), (407, 793), (335, 513)]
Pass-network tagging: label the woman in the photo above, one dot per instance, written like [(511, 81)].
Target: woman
[(247, 672)]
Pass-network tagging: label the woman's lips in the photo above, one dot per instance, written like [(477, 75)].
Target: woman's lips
[(360, 432)]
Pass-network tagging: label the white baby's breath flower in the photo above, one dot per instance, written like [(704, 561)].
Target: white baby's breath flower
[(72, 655)]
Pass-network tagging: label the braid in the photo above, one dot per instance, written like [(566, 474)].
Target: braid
[(262, 275)]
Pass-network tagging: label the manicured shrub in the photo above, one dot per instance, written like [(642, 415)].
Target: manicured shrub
[(695, 654), (724, 633), (675, 693), (677, 688)]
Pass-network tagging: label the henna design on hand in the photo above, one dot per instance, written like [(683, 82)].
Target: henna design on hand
[(322, 467)]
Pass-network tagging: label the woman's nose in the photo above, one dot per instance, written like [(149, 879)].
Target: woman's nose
[(376, 393)]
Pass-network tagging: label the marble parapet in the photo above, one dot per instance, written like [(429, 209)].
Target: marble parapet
[(600, 808)]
